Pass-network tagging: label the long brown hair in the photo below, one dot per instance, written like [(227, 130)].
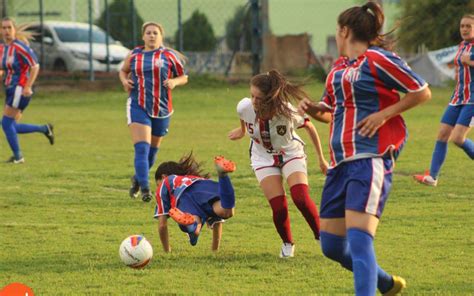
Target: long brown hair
[(277, 93), (21, 32), (366, 24), (180, 55), (187, 165)]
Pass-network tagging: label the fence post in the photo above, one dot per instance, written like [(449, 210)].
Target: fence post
[(107, 28), (134, 23), (180, 27), (41, 15), (91, 65), (256, 38)]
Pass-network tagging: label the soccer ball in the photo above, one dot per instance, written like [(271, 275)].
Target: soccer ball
[(135, 251)]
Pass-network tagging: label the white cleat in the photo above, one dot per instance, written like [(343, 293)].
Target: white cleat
[(287, 250)]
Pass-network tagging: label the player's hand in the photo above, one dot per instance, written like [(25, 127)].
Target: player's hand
[(323, 165), (236, 134), (169, 83), (128, 85), (309, 107), (465, 58), (27, 92), (369, 125)]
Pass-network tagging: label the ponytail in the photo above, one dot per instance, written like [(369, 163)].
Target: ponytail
[(187, 165)]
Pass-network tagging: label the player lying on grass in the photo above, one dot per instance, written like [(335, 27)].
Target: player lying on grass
[(185, 194)]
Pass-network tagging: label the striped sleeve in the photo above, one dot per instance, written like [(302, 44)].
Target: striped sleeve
[(176, 65), (27, 54), (395, 72), (326, 100), (163, 201)]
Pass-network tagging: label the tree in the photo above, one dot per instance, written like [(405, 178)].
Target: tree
[(120, 22), (239, 30), (433, 23), (198, 34)]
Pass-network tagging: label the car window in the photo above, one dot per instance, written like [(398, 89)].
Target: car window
[(69, 34)]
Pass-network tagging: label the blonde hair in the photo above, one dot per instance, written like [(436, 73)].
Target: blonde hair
[(21, 32), (181, 56), (470, 16)]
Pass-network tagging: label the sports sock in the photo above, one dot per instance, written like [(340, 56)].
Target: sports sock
[(468, 147), (141, 164), (364, 264), (336, 248), (281, 218), (226, 192), (437, 160), (189, 228), (307, 207), (22, 128), (8, 125), (152, 156)]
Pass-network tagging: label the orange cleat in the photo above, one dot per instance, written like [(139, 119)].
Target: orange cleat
[(181, 217), (224, 165)]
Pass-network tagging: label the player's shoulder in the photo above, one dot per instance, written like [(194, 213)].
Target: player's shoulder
[(376, 53), (137, 50), (20, 44), (244, 104)]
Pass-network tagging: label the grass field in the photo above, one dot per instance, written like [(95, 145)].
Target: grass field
[(65, 211)]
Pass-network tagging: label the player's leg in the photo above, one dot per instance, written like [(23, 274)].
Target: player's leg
[(461, 129), (8, 126), (140, 129), (270, 180), (297, 180), (159, 129), (225, 206)]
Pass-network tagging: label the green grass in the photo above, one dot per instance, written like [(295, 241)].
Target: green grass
[(65, 211)]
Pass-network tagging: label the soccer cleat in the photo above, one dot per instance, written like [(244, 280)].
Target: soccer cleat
[(15, 161), (134, 188), (146, 195), (426, 179), (193, 238), (399, 284), (287, 250), (212, 221), (181, 217), (50, 133), (224, 165)]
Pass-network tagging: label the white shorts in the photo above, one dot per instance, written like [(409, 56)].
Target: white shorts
[(291, 166)]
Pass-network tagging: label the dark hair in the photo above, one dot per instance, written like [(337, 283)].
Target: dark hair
[(277, 93), (187, 165), (366, 23)]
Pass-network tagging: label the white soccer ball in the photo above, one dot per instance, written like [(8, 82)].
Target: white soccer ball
[(135, 251)]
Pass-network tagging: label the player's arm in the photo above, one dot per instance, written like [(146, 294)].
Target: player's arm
[(163, 231), (313, 134), (316, 110), (466, 59), (238, 132), (171, 83), (34, 70), (216, 236), (124, 74)]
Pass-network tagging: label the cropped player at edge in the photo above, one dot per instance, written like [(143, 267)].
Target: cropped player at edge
[(20, 68), (149, 73), (185, 194), (277, 152), (459, 115), (366, 135)]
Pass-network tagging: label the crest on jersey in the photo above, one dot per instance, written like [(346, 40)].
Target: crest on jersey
[(352, 74), (281, 129), (159, 63)]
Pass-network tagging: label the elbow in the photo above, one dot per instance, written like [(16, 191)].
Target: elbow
[(185, 79)]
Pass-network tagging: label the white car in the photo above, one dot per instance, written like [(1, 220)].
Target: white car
[(66, 47)]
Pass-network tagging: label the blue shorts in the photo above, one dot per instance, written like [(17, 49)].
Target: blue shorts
[(135, 113), (360, 185), (460, 114), (15, 99), (199, 198)]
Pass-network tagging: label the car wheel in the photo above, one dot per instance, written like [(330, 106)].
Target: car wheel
[(60, 66)]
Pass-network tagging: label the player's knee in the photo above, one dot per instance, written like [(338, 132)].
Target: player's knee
[(329, 251), (228, 213), (458, 140)]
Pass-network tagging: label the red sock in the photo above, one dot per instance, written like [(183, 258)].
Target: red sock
[(281, 218), (307, 207)]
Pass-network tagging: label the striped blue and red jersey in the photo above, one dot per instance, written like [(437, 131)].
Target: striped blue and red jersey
[(464, 91), (16, 60), (358, 88), (170, 190), (149, 70)]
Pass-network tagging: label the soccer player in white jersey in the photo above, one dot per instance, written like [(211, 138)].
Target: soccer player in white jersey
[(277, 152)]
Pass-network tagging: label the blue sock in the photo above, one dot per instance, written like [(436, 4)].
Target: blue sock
[(141, 164), (152, 156), (364, 264), (188, 228), (226, 192), (30, 128), (437, 160), (468, 147), (8, 125), (336, 248)]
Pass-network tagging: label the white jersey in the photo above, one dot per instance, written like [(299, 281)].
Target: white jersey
[(273, 142)]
